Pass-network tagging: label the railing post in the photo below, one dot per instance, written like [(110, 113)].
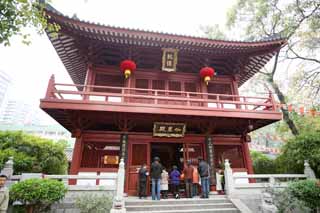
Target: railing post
[(156, 97), (272, 101), (118, 202), (245, 103), (188, 99), (308, 171), (218, 102), (228, 177), (50, 88), (272, 181)]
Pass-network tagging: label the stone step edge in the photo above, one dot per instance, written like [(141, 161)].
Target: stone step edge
[(191, 210), (177, 200), (183, 204)]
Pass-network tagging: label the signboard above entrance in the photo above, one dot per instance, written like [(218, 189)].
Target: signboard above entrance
[(162, 129), (169, 59)]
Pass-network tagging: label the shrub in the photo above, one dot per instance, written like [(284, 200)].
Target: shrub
[(299, 196), (262, 164), (307, 191), (37, 194), (32, 153), (305, 146), (93, 203)]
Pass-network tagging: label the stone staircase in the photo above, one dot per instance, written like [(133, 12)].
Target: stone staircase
[(217, 203)]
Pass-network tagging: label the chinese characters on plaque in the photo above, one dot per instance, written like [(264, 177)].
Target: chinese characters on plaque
[(111, 159), (169, 59), (161, 129)]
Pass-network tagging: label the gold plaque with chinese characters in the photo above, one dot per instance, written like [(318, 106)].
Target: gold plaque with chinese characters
[(111, 159), (169, 59), (162, 129)]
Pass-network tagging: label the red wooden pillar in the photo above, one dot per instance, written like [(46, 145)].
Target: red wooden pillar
[(76, 159), (88, 81), (247, 159)]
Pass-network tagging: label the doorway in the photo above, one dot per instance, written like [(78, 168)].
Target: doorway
[(170, 154)]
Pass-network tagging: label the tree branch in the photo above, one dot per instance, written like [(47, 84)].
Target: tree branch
[(297, 56)]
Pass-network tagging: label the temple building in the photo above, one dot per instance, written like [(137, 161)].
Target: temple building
[(139, 94)]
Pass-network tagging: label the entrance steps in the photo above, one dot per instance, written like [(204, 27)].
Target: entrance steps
[(218, 203)]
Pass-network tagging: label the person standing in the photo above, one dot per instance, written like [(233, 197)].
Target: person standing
[(195, 182), (175, 181), (220, 181), (156, 170), (188, 175), (164, 183), (4, 194), (143, 174), (203, 170)]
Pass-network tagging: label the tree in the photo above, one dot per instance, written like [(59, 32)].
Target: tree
[(277, 18), (213, 32), (305, 146), (32, 154), (18, 14), (305, 123), (262, 164)]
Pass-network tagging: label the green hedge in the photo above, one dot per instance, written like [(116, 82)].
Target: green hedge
[(32, 154), (37, 194)]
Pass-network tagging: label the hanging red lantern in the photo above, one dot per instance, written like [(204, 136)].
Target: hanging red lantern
[(128, 67), (207, 73)]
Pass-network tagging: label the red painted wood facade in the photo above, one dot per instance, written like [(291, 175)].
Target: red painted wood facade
[(112, 116)]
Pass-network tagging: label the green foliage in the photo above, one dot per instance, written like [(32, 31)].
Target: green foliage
[(263, 164), (213, 32), (18, 14), (287, 203), (305, 146), (299, 196), (38, 193), (91, 203), (305, 123), (307, 191), (32, 153), (267, 17)]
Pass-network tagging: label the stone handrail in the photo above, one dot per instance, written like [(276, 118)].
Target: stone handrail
[(233, 188), (68, 177)]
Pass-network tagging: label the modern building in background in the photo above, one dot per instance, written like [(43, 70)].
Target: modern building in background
[(54, 132), (5, 83), (17, 112)]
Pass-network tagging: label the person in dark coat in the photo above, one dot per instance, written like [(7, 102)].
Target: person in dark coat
[(188, 175), (143, 174), (156, 170), (203, 169), (175, 181)]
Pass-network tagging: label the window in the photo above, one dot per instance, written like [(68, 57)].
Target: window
[(108, 80), (190, 87), (175, 86), (100, 155), (142, 84)]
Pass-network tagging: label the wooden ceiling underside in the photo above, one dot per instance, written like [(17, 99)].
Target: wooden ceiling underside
[(103, 121)]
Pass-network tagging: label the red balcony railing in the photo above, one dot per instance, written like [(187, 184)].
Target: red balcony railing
[(163, 98)]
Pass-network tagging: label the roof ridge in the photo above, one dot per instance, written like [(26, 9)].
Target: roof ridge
[(272, 38)]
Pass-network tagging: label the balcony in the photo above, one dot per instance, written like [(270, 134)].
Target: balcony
[(105, 99)]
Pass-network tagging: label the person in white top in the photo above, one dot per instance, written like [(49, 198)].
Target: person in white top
[(4, 194), (164, 183)]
